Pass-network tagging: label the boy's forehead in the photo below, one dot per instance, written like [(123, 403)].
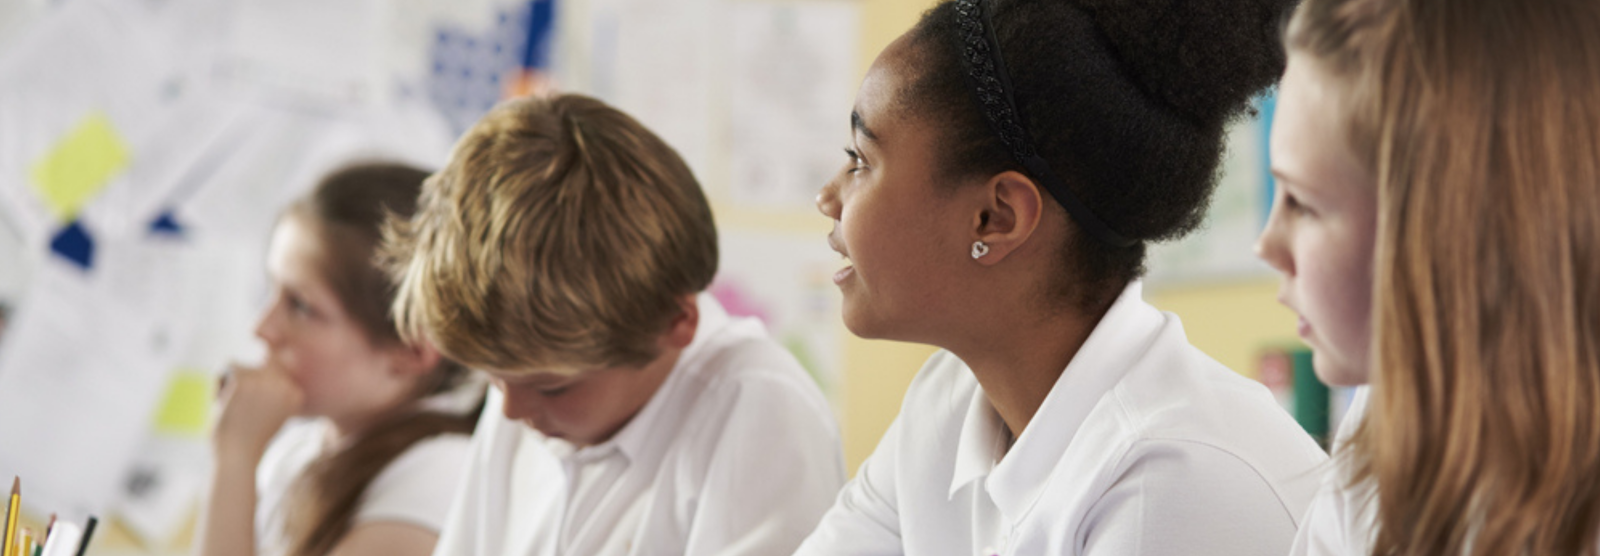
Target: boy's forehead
[(535, 377)]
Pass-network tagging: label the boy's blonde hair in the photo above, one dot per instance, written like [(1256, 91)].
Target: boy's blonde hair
[(561, 237)]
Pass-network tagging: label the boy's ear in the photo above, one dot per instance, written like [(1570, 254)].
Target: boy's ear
[(1009, 214), (680, 332), (415, 359)]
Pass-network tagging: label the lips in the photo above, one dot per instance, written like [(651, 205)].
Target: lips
[(1302, 326), (843, 273)]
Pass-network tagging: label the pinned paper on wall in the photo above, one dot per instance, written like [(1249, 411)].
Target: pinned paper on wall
[(80, 165), (787, 120), (656, 61), (186, 407), (163, 480), (85, 99), (75, 463), (308, 52)]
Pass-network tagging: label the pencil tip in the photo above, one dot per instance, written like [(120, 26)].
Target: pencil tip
[(16, 485)]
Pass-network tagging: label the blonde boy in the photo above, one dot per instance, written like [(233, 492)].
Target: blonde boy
[(563, 251)]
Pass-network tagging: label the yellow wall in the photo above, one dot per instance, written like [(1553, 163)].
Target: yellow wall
[(1231, 322)]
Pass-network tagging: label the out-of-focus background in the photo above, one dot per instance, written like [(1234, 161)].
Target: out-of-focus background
[(146, 147)]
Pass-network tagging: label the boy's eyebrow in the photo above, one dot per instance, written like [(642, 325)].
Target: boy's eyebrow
[(536, 380), (861, 126)]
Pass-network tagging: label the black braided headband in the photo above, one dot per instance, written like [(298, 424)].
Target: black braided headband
[(992, 85)]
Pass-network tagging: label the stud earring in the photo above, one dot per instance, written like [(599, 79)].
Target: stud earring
[(979, 249)]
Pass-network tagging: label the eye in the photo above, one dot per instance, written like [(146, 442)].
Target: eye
[(555, 392), (1294, 205), (856, 164), (298, 306)]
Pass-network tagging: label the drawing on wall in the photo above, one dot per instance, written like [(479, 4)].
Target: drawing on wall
[(788, 120)]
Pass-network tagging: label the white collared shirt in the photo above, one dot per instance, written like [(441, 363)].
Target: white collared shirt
[(1341, 519), (737, 453), (1144, 446)]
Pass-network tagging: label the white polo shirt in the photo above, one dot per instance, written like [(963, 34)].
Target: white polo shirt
[(1341, 519), (736, 454), (1144, 446)]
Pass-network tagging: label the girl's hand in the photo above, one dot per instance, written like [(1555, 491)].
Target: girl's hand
[(255, 404)]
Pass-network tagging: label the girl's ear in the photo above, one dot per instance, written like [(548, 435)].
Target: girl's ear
[(1012, 207), (415, 359)]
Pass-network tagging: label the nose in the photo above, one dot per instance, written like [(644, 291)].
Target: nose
[(270, 327), (1273, 244), (828, 200), (518, 405)]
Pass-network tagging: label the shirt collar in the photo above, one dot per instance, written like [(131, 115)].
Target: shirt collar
[(1123, 335), (635, 437), (981, 445), (1353, 416)]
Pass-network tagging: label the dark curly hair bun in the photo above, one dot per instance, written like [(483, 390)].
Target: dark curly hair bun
[(1127, 100), (1206, 58)]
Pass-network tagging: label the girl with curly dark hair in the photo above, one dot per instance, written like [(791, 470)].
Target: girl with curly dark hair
[(1010, 160)]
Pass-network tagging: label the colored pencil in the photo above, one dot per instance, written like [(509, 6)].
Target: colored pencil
[(11, 516)]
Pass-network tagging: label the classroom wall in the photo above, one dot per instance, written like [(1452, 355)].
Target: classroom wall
[(1231, 321)]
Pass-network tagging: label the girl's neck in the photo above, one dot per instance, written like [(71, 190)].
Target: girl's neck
[(1019, 354)]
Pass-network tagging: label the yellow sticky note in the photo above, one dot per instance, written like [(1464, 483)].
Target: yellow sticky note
[(186, 408), (80, 165)]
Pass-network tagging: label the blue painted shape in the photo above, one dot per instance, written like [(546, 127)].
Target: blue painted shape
[(74, 244), (541, 18), (166, 224)]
